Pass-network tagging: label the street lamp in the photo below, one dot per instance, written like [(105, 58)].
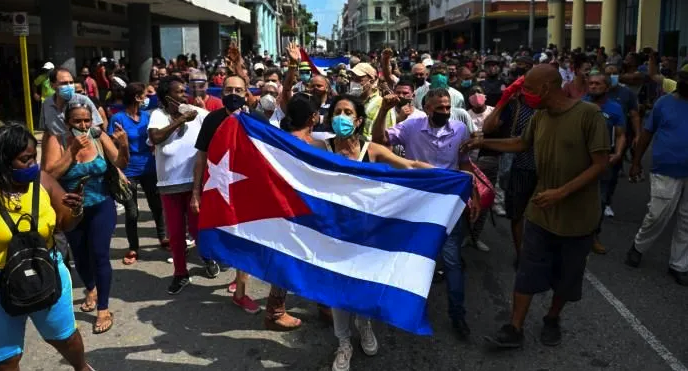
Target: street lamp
[(315, 38)]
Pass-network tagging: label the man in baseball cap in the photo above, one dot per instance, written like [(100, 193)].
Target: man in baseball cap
[(364, 85), (41, 84)]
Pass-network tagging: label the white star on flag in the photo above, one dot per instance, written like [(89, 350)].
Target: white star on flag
[(221, 177)]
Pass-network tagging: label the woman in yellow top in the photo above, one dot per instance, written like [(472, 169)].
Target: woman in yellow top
[(57, 210)]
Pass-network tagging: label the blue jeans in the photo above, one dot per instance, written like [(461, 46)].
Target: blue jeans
[(453, 273)]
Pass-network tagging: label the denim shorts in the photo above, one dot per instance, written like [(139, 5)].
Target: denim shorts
[(549, 261), (54, 323)]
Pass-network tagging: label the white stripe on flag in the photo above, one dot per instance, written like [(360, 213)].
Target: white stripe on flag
[(403, 270), (386, 200)]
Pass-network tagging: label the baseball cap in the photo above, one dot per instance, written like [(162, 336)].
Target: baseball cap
[(103, 60), (363, 69), (258, 66), (48, 66), (428, 62), (304, 66)]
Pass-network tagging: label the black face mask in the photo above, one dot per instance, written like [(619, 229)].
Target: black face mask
[(419, 81), (233, 102), (453, 74), (439, 119), (596, 96), (519, 71)]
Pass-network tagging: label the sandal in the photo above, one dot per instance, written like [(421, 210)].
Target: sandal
[(88, 306), (130, 258), (99, 329)]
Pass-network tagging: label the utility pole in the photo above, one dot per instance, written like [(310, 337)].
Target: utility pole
[(482, 29), (531, 24)]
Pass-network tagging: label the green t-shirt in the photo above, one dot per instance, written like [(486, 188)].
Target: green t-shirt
[(562, 144), (43, 82)]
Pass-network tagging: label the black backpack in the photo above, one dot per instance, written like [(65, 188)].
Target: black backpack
[(30, 280)]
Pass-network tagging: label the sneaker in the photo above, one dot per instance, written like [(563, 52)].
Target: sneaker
[(680, 277), (551, 332), (633, 257), (507, 337), (190, 243), (120, 209), (247, 304), (170, 260), (598, 248), (498, 210), (178, 284), (368, 340), (212, 269), (342, 357), (608, 212), (232, 287), (461, 328), (466, 242), (480, 245)]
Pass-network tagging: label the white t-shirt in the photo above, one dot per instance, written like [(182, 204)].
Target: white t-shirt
[(175, 157), (479, 118)]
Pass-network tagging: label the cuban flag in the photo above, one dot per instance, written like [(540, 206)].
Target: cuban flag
[(362, 237)]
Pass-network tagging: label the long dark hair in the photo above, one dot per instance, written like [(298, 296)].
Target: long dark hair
[(133, 90), (299, 109), (14, 139)]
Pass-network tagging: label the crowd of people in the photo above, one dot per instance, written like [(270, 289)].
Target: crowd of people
[(545, 134)]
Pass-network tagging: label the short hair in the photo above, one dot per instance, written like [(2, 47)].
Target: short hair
[(436, 93), (53, 74), (132, 91), (163, 90), (272, 71), (406, 82), (607, 79)]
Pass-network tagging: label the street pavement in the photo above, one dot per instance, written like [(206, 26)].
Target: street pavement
[(628, 319)]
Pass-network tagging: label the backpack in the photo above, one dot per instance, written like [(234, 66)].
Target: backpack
[(30, 281)]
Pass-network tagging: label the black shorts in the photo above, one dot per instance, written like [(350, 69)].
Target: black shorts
[(519, 190), (552, 262)]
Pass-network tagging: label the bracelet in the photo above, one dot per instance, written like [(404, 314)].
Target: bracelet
[(78, 213), (293, 66)]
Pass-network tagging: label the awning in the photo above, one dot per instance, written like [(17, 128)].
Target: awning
[(221, 11), (502, 14)]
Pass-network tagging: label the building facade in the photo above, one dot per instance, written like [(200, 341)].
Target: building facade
[(262, 34), (369, 24)]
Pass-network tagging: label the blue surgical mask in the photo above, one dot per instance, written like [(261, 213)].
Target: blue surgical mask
[(343, 126), (615, 79), (143, 105), (66, 92), (466, 83), (26, 175), (305, 77)]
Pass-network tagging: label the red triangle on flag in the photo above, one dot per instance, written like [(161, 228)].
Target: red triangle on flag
[(240, 185)]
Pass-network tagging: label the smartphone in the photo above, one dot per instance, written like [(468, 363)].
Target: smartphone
[(82, 183)]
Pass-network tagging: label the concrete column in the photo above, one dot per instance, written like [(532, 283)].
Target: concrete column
[(608, 25), (140, 41), (279, 39), (155, 38), (209, 38), (648, 24), (578, 25), (57, 36), (555, 24)]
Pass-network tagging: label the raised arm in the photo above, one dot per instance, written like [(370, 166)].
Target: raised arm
[(294, 55)]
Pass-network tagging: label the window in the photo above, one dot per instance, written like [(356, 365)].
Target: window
[(378, 13), (393, 12), (84, 3), (392, 35), (102, 5)]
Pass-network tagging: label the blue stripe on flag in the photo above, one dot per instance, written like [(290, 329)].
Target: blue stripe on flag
[(385, 303), (365, 229), (440, 181)]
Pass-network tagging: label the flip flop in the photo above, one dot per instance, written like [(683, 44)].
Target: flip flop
[(106, 329), (130, 258), (86, 308)]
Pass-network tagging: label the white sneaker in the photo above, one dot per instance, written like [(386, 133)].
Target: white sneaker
[(120, 209), (190, 243), (608, 212), (342, 356), (498, 210), (480, 245), (368, 340), (170, 260)]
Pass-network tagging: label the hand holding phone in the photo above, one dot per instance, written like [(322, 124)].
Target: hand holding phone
[(80, 186)]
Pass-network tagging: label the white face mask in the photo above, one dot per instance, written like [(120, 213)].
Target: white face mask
[(355, 88)]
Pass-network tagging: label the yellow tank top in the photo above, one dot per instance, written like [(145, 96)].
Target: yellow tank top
[(46, 220)]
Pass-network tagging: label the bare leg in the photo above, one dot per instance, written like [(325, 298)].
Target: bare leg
[(11, 364), (520, 309), (241, 281), (556, 307), (72, 349)]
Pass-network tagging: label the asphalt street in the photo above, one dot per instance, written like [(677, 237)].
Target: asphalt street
[(629, 319)]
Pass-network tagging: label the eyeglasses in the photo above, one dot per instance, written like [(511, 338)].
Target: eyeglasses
[(76, 105)]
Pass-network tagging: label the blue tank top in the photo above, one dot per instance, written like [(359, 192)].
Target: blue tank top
[(95, 189)]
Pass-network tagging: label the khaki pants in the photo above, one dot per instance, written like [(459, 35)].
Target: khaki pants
[(668, 196)]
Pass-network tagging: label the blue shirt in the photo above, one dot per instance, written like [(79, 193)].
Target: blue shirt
[(614, 115), (625, 97), (141, 160), (669, 123)]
